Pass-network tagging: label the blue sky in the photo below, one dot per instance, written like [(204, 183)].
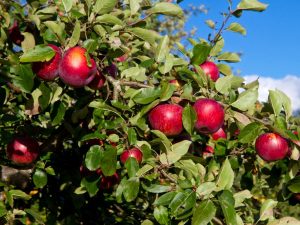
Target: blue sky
[(271, 48)]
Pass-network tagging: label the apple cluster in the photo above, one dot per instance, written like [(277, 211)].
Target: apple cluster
[(73, 67)]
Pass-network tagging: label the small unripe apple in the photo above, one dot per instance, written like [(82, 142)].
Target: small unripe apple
[(166, 118), (23, 150), (15, 34), (271, 147), (74, 69), (48, 70), (134, 152), (108, 182), (219, 134), (210, 116), (211, 70), (98, 81), (176, 83)]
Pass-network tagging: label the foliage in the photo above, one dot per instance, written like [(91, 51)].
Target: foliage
[(78, 178)]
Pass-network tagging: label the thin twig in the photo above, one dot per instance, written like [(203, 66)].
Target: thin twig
[(217, 36), (164, 173), (217, 221)]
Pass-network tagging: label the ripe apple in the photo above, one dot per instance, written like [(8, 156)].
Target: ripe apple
[(208, 151), (211, 70), (108, 182), (167, 118), (48, 70), (210, 116), (98, 81), (122, 58), (23, 150), (219, 134), (271, 147), (15, 34), (134, 152), (74, 69)]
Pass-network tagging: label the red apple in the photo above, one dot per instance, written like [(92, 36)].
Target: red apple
[(48, 70), (23, 150), (209, 149), (176, 83), (15, 34), (108, 182), (98, 81), (122, 58), (211, 70), (219, 134), (167, 118), (134, 152), (74, 69), (210, 116), (271, 147)]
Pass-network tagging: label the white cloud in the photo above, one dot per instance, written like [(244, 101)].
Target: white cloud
[(289, 84)]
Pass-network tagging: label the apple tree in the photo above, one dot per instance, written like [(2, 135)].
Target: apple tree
[(107, 118)]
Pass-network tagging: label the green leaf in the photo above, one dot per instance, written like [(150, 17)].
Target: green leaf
[(252, 5), (44, 99), (39, 53), (294, 185), (109, 19), (135, 73), (132, 166), (225, 84), (177, 151), (29, 41), (224, 69), (93, 158), (166, 8), (134, 6), (236, 27), (25, 78), (165, 199), (205, 189), (147, 95), (36, 215), (189, 118), (166, 142), (57, 113), (156, 188), (161, 215), (200, 53), (229, 57), (227, 204), (145, 169), (91, 184), (162, 49), (167, 91), (266, 210), (132, 137), (75, 35), (226, 176), (249, 133), (278, 99), (246, 100), (145, 34), (285, 221), (239, 197), (217, 48), (90, 45), (104, 6), (67, 4), (109, 161), (210, 23), (131, 189), (40, 178), (204, 213), (167, 65), (57, 28), (182, 202)]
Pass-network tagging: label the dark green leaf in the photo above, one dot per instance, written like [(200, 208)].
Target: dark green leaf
[(132, 137), (246, 100), (75, 35), (147, 95), (200, 53), (165, 199), (226, 176), (91, 183), (156, 188), (167, 91), (24, 78)]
